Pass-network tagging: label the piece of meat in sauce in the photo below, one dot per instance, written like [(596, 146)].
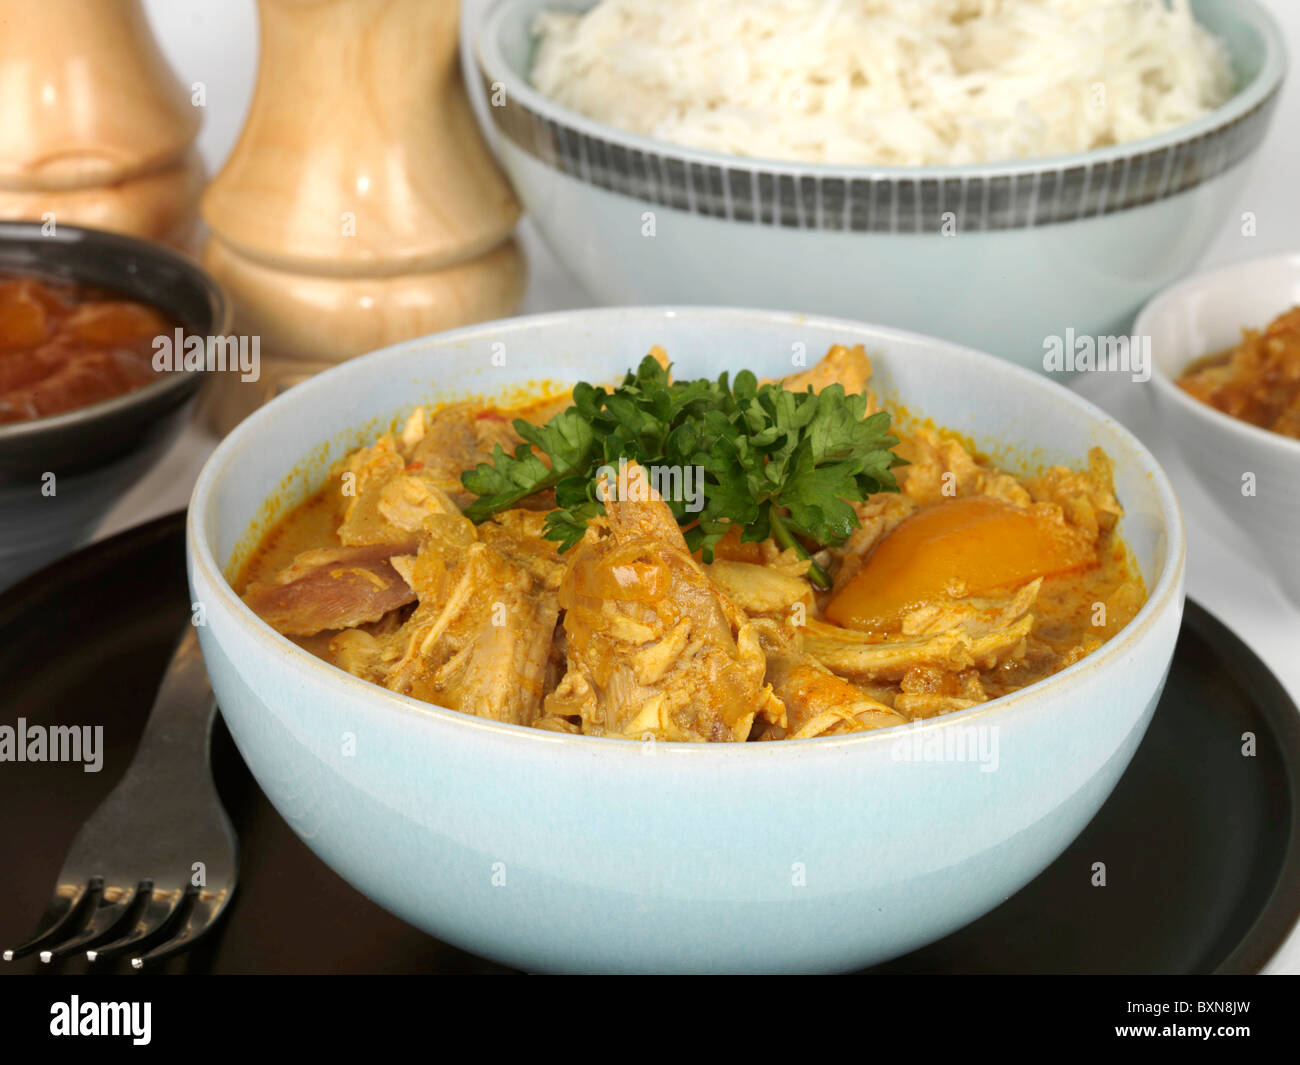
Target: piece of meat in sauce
[(332, 588), (817, 702), (481, 639), (654, 647), (457, 438), (384, 498)]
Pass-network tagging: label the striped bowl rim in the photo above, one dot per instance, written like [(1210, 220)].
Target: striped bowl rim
[(1010, 194)]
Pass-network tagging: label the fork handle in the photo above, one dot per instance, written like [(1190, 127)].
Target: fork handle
[(178, 734)]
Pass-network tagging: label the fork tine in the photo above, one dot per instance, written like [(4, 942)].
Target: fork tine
[(206, 909), (60, 913), (160, 908), (112, 908)]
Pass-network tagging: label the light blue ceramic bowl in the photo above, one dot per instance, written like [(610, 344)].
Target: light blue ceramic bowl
[(558, 852), (1037, 247)]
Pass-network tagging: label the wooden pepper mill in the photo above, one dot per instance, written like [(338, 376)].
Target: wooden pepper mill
[(361, 205), (95, 129)]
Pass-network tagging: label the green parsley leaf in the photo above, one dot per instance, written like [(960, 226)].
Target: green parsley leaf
[(776, 463)]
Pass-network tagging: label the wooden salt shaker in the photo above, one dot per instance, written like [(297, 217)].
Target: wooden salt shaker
[(361, 205), (95, 129)]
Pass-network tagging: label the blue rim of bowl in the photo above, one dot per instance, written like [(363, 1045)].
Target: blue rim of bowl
[(1166, 593), (1167, 384), (984, 197)]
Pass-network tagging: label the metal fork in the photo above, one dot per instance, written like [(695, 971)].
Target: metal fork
[(159, 853)]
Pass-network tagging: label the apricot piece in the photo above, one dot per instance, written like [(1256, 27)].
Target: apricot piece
[(114, 323), (23, 322), (967, 546), (730, 549)]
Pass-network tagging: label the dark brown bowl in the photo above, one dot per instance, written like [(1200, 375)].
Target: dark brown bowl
[(97, 452)]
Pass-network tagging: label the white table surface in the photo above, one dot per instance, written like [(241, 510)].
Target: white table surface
[(214, 41)]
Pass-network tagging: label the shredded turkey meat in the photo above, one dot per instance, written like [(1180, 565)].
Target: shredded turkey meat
[(655, 649)]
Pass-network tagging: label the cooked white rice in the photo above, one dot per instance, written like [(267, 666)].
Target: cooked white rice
[(885, 82)]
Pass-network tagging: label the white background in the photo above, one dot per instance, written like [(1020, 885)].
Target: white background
[(215, 42)]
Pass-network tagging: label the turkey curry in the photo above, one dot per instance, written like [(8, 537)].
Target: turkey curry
[(524, 565)]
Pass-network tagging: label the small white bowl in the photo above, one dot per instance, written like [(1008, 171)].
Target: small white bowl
[(1231, 458)]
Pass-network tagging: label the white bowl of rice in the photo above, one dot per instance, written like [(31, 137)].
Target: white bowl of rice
[(994, 172)]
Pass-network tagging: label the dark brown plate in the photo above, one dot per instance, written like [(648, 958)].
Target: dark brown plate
[(1201, 844)]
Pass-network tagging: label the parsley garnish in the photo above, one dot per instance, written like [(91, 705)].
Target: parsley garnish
[(777, 463)]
